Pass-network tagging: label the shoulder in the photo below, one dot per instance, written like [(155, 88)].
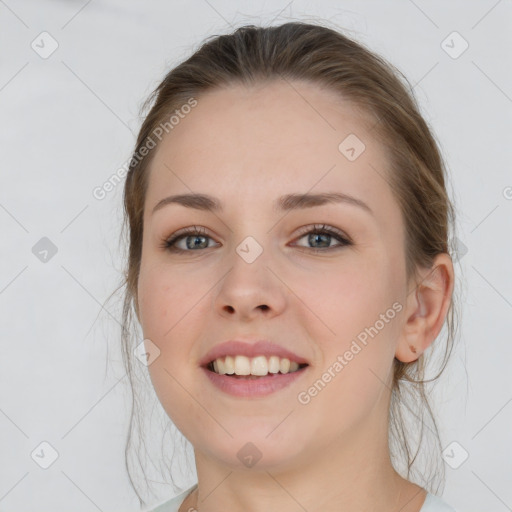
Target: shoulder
[(173, 504), (434, 503)]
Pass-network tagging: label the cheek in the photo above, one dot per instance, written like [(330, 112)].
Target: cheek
[(171, 300), (343, 301), (166, 313), (354, 316), (356, 364), (163, 300)]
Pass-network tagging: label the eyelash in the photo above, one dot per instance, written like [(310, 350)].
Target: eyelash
[(169, 243)]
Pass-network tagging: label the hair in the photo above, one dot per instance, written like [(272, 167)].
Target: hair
[(325, 57)]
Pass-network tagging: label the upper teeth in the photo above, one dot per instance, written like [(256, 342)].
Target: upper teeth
[(260, 365)]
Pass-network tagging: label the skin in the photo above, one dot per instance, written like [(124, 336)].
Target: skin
[(247, 146)]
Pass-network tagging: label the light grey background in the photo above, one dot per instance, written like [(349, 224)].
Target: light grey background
[(69, 123)]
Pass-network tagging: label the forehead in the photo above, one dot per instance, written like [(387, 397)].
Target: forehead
[(271, 139)]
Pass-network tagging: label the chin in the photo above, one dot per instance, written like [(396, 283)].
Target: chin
[(253, 453)]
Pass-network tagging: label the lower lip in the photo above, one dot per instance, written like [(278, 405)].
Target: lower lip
[(247, 388)]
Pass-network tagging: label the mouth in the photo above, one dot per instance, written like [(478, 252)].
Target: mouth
[(253, 378), (251, 368)]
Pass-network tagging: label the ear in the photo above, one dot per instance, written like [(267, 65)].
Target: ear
[(426, 306)]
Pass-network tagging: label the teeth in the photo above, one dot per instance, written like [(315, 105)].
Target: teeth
[(242, 365), (229, 365), (273, 364), (260, 365), (284, 365)]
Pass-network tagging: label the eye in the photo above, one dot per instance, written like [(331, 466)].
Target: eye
[(195, 234), (323, 234), (196, 238)]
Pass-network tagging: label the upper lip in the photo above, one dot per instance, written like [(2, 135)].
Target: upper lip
[(250, 349)]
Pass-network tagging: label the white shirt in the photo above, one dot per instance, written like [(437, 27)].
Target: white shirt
[(432, 503)]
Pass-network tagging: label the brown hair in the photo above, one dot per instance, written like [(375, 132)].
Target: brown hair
[(323, 56)]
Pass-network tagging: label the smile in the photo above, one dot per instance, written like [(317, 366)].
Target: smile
[(245, 377), (240, 365)]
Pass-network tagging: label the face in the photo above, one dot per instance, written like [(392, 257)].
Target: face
[(303, 288)]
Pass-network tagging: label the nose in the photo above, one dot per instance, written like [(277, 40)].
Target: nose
[(250, 290)]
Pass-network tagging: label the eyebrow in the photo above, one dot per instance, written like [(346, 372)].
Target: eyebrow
[(284, 203)]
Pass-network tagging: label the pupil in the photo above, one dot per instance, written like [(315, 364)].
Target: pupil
[(194, 243), (313, 238)]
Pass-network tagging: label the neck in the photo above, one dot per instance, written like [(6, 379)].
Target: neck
[(354, 473)]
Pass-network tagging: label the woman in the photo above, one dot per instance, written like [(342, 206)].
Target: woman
[(289, 265)]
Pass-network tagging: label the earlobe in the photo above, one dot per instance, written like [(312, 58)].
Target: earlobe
[(426, 310)]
